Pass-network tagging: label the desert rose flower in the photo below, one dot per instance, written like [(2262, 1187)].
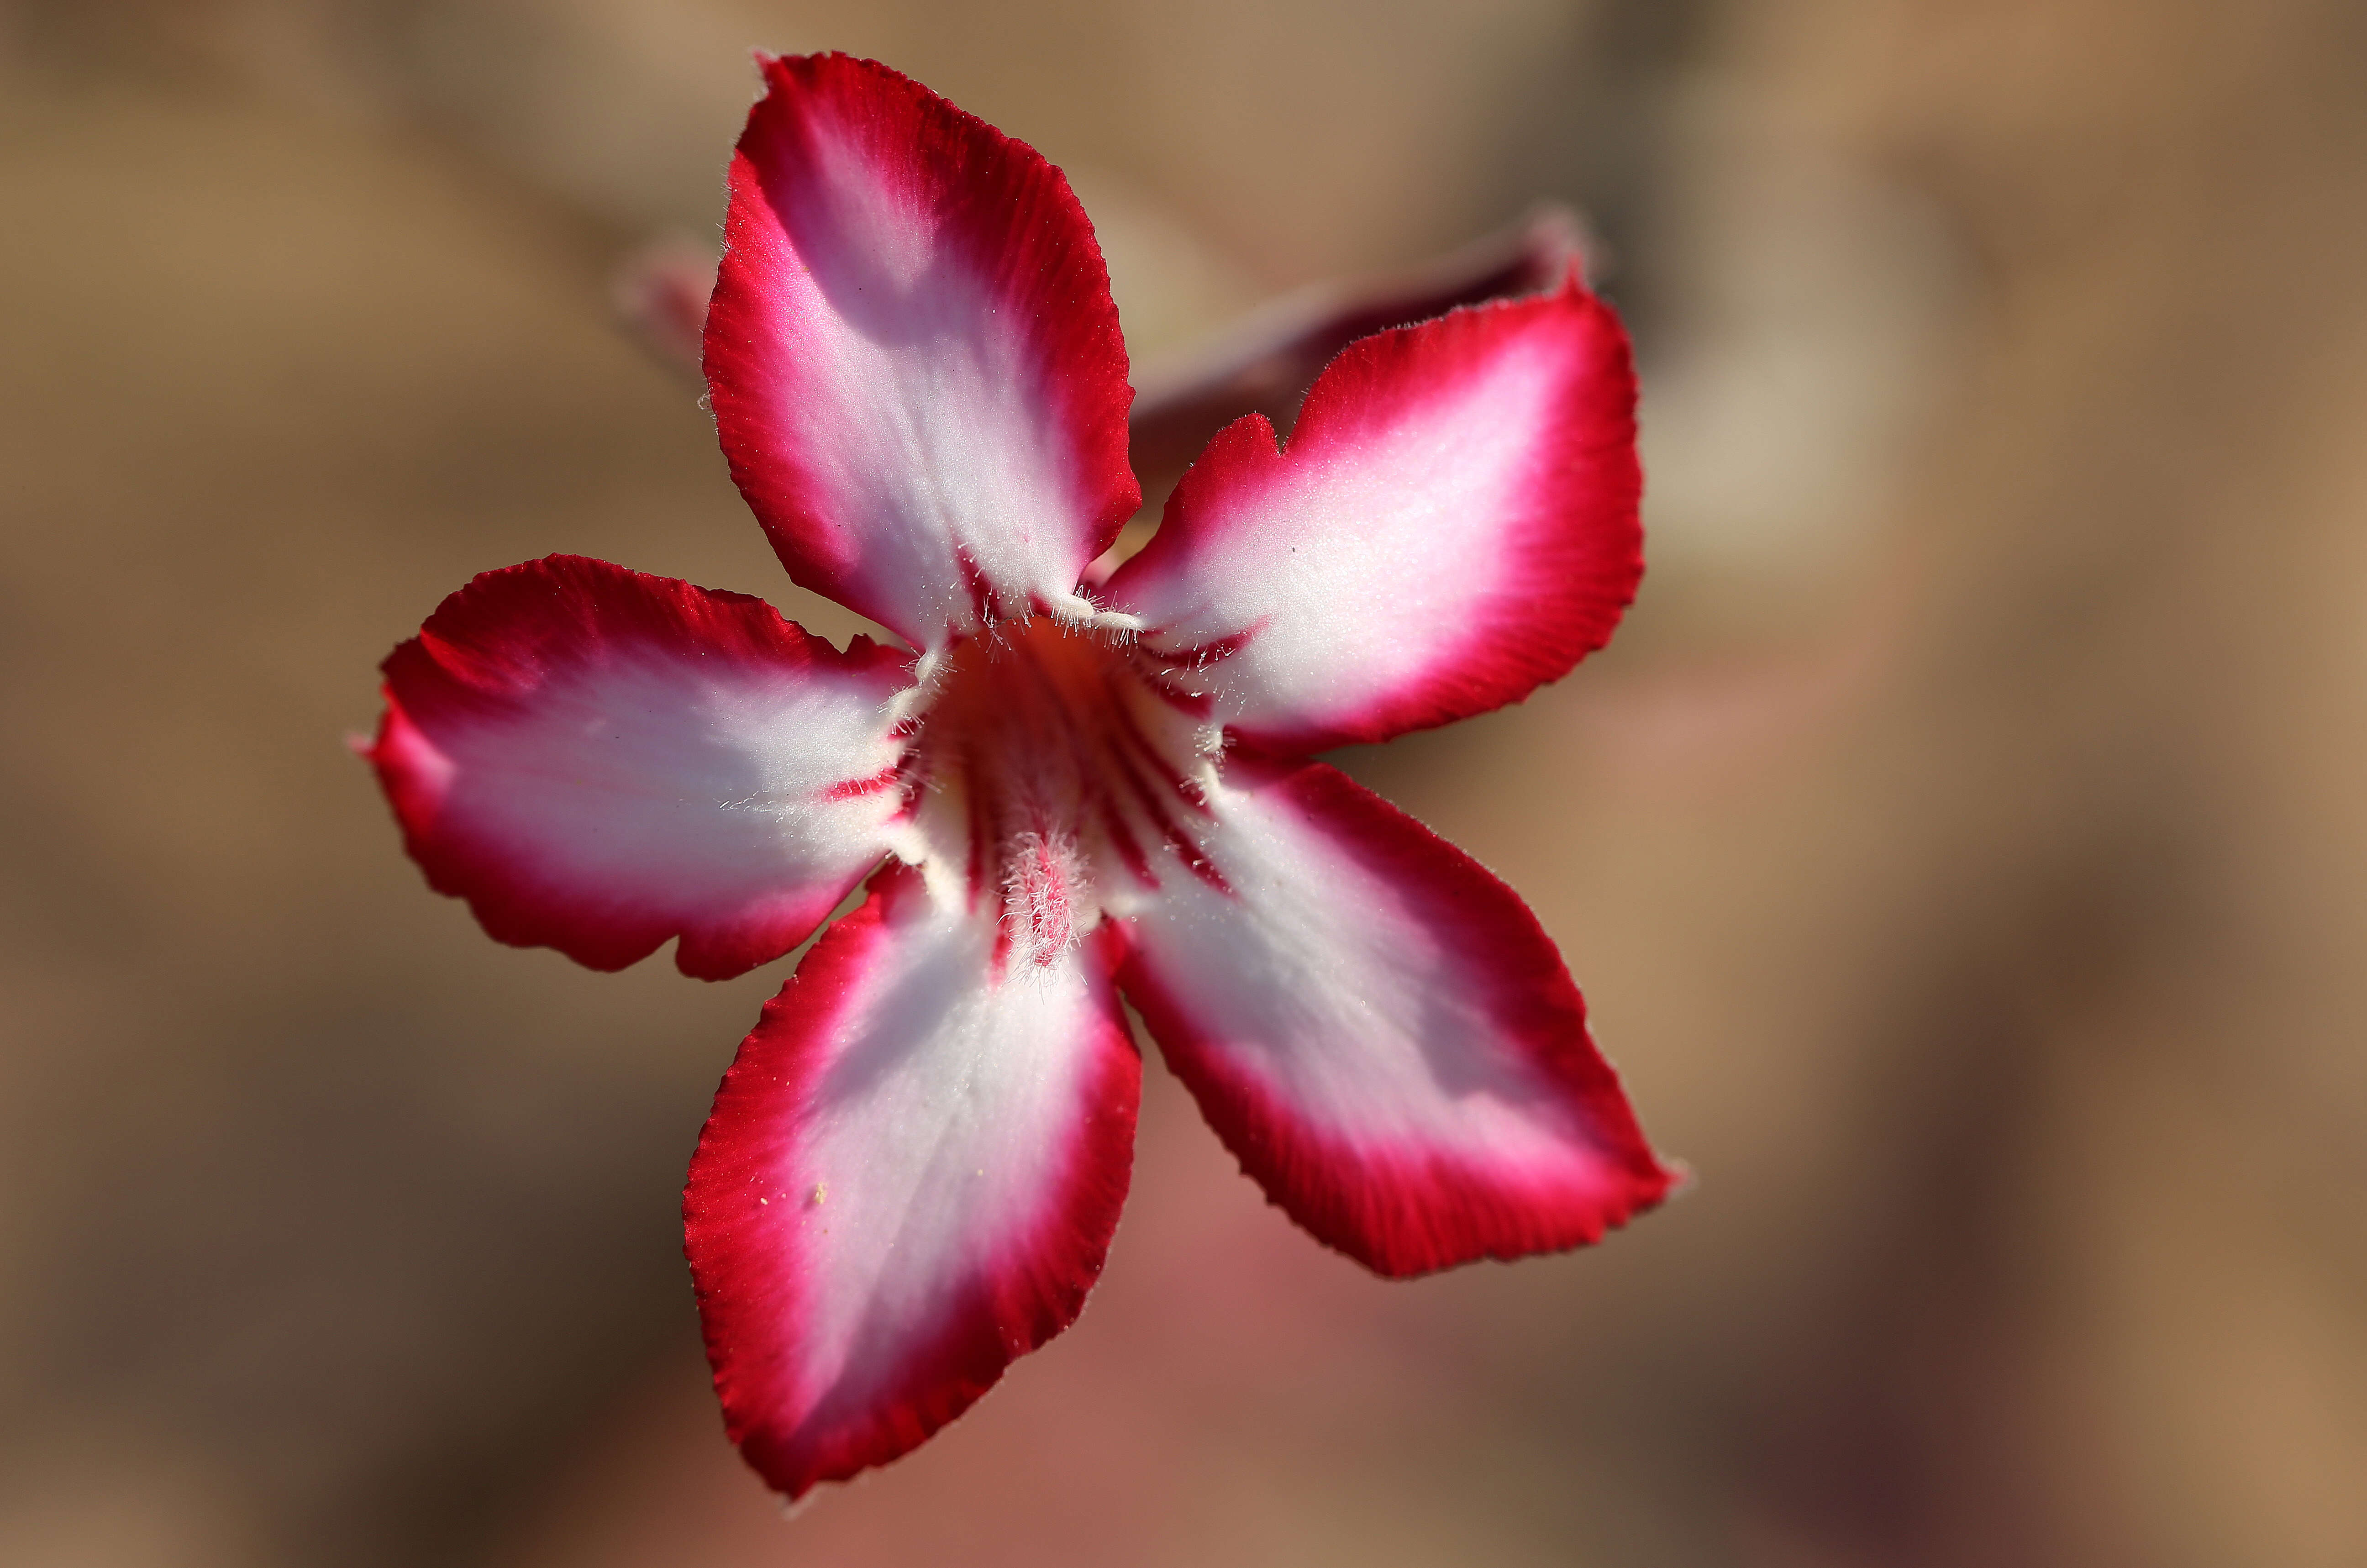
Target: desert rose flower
[(1064, 790)]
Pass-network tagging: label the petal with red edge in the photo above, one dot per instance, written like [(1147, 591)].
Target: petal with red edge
[(916, 367), (910, 1179), (599, 760), (1382, 1033), (1453, 523)]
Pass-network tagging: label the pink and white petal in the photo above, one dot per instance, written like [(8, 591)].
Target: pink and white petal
[(1382, 1034), (1453, 524), (910, 1179), (599, 760), (916, 366)]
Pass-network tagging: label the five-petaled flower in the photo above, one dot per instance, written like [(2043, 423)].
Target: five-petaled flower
[(1065, 790)]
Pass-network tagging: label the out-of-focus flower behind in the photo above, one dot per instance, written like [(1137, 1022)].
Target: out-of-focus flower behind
[(1962, 846)]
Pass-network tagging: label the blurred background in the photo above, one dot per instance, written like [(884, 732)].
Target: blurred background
[(1964, 847)]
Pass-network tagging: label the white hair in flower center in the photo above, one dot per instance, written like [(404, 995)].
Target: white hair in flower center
[(1053, 774)]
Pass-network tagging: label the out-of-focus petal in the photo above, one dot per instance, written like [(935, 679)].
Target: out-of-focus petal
[(916, 366), (1265, 362), (910, 1179), (598, 760), (1381, 1032), (1453, 523)]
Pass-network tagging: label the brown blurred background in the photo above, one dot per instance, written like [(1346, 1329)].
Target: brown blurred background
[(1964, 847)]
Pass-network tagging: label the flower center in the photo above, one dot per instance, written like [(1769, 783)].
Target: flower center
[(1064, 774)]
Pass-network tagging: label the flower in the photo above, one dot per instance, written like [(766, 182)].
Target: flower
[(1064, 790)]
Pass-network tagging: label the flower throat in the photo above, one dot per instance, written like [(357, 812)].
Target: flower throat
[(1065, 770)]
